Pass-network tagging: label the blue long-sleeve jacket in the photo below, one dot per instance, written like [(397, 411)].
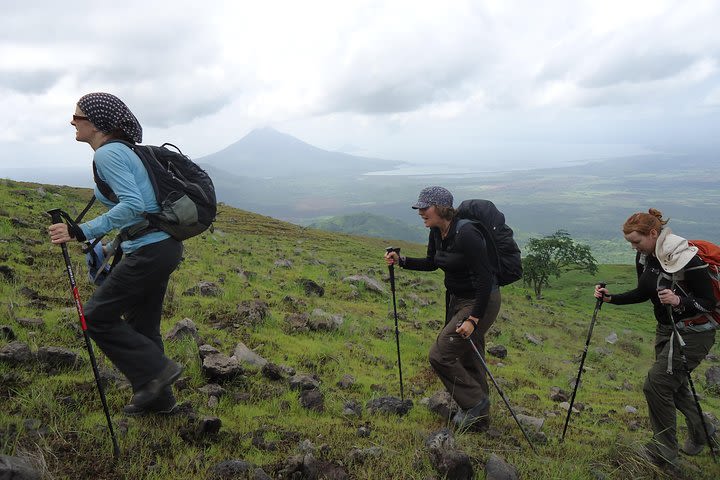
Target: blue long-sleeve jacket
[(124, 172)]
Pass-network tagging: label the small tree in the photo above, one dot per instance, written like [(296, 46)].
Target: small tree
[(553, 255)]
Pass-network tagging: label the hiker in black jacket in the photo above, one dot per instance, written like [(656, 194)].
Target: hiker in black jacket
[(472, 301), (670, 274)]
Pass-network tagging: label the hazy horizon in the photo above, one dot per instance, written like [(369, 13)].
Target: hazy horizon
[(402, 80)]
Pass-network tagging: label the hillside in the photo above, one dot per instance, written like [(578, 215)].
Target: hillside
[(260, 281)]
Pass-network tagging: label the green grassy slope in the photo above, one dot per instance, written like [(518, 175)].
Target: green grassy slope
[(55, 418)]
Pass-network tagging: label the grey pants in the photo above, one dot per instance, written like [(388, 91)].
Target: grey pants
[(123, 315), (452, 357), (667, 392)]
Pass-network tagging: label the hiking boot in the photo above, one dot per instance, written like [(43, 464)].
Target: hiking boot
[(150, 391), (476, 418), (691, 447), (649, 453), (164, 404)]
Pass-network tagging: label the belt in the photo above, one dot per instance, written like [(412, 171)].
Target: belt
[(701, 320)]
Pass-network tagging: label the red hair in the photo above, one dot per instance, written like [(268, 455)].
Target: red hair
[(644, 222)]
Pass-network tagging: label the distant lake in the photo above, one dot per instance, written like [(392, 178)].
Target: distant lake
[(489, 159)]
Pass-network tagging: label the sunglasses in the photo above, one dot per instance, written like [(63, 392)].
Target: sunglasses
[(79, 117)]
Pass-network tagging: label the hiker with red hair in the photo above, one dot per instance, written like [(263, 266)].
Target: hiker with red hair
[(676, 280)]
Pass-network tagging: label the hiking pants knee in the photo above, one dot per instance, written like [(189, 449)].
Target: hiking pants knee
[(665, 392), (454, 360), (123, 315)]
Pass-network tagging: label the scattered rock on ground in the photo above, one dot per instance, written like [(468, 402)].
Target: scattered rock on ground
[(370, 284), (31, 322), (220, 368), (7, 333), (358, 455), (442, 403), (347, 381), (557, 394), (534, 423), (311, 287), (230, 469), (245, 355), (312, 400), (498, 351), (57, 357), (16, 468), (352, 408), (204, 289), (447, 460), (303, 381), (712, 377), (183, 329), (392, 405), (273, 372), (253, 312), (16, 353), (497, 468)]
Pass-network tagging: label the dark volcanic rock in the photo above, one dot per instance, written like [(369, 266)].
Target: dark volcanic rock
[(303, 381), (273, 372), (392, 405), (6, 332), (219, 368), (712, 376), (448, 461), (7, 272), (15, 468), (312, 400), (498, 469), (312, 288), (231, 469), (498, 351), (443, 404), (16, 353), (183, 329), (57, 357)]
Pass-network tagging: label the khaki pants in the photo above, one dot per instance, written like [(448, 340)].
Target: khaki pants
[(667, 392), (454, 360)]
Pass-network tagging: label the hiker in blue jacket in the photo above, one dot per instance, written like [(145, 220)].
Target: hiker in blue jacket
[(670, 274), (123, 314), (472, 302)]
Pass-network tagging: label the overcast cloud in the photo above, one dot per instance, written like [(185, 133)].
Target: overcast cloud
[(409, 80)]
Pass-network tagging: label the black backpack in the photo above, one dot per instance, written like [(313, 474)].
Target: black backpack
[(183, 190), (499, 237)]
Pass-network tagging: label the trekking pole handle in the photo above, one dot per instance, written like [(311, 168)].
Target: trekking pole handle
[(600, 300), (55, 215)]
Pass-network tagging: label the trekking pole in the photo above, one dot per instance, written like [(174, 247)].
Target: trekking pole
[(502, 394), (681, 345), (57, 216), (598, 305), (391, 268)]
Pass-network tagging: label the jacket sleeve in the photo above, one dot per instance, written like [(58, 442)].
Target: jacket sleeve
[(472, 244), (114, 167), (426, 264), (636, 295)]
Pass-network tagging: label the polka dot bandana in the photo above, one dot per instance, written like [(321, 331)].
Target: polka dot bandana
[(108, 113)]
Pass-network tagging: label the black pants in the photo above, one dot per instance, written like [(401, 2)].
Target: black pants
[(454, 360), (123, 315)]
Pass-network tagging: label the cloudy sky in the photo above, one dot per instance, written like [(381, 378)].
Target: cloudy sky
[(448, 82)]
